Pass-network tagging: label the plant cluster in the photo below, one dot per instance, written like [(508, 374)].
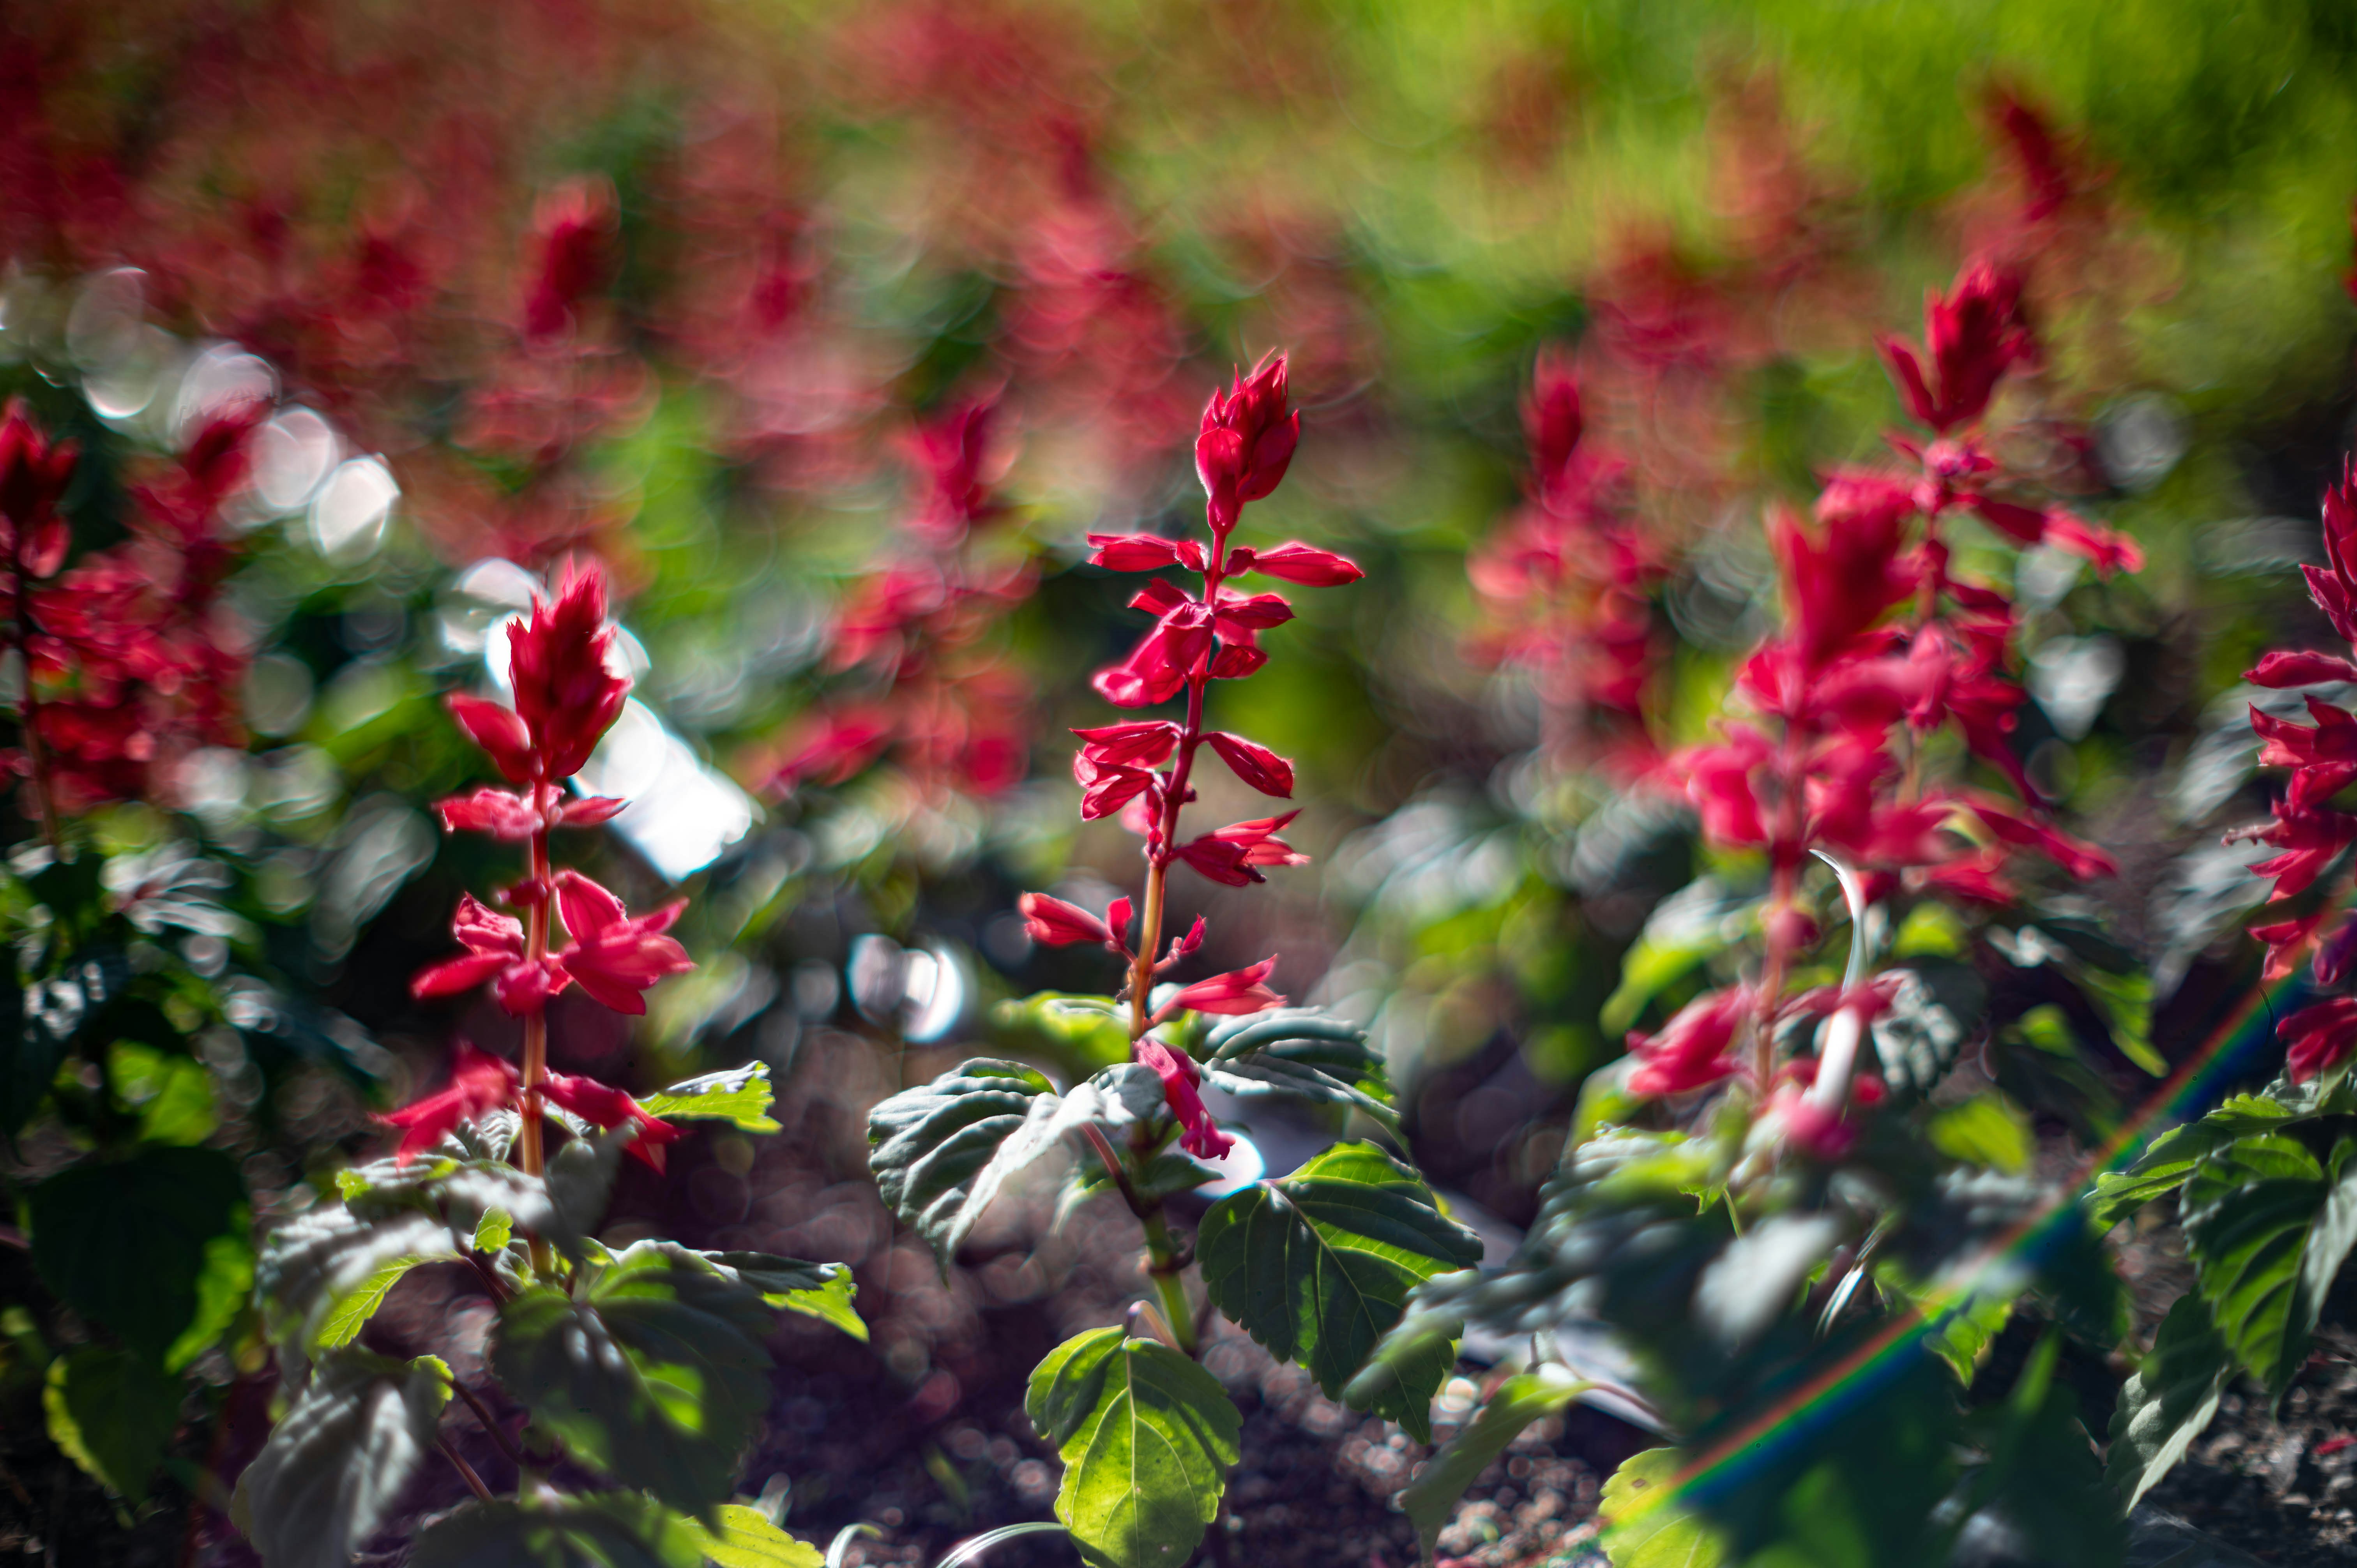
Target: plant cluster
[(643, 1365)]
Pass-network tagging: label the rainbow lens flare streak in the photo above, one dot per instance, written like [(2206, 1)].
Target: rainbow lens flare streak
[(1836, 1389)]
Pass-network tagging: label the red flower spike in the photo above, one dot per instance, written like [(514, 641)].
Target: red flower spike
[(1973, 336), (1246, 442), (606, 1107), (1238, 992), (498, 812), (2287, 941), (1135, 552), (1181, 947), (1157, 667), (1255, 764), (2287, 668), (495, 948), (1147, 744), (571, 225), (1296, 563), (588, 810), (1106, 788), (2309, 840), (2083, 862), (479, 1083), (2321, 1037), (498, 731), (1201, 1137), (614, 958), (1691, 1051), (1233, 856), (1551, 424), (1053, 923), (564, 693), (33, 473), (1841, 585)]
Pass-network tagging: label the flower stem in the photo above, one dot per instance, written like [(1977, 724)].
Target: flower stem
[(535, 1034), (1160, 853)]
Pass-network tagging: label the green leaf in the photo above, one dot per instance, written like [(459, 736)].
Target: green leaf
[(1699, 921), (349, 1313), (1985, 1130), (224, 1286), (605, 1529), (746, 1539), (824, 1291), (1246, 1033), (1521, 1400), (2041, 1477), (657, 1373), (1317, 1266), (494, 1230), (123, 1243), (2267, 1225), (1644, 1524), (1146, 1436), (2168, 1403), (1320, 1069), (740, 1095), (2169, 1159), (337, 1462), (317, 1261), (113, 1414), (1082, 1032), (932, 1147), (172, 1094)]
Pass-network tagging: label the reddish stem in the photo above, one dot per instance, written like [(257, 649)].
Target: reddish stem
[(1159, 853), (535, 1023)]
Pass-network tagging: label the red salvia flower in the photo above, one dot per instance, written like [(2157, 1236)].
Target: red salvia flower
[(1973, 336), (2320, 1037), (604, 1106), (1692, 1050), (1201, 1136), (495, 952), (1246, 442), (480, 1083), (34, 474), (613, 956), (566, 693), (1238, 992)]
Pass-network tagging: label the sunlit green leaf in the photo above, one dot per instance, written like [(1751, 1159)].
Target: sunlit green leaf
[(744, 1538), (113, 1412), (2268, 1225), (1645, 1524), (740, 1094), (824, 1291), (1147, 1437)]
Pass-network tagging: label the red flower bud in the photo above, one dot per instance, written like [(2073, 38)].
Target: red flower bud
[(1145, 743), (602, 1105), (1296, 563), (1246, 442), (498, 731), (2320, 1037), (1201, 1137), (1238, 992), (1255, 764), (1054, 923)]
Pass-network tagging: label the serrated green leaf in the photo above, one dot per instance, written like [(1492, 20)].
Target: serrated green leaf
[(123, 1243), (746, 1539), (657, 1373), (352, 1310), (1316, 1267), (113, 1412), (1521, 1400), (931, 1147), (312, 1263), (2169, 1159), (337, 1462), (2168, 1401), (824, 1291), (1243, 1034), (2267, 1225), (740, 1095), (605, 1529), (1646, 1526), (1147, 1437), (1322, 1071)]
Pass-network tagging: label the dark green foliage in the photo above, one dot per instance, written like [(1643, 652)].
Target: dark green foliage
[(123, 1241), (1316, 1266), (655, 1373), (337, 1462)]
